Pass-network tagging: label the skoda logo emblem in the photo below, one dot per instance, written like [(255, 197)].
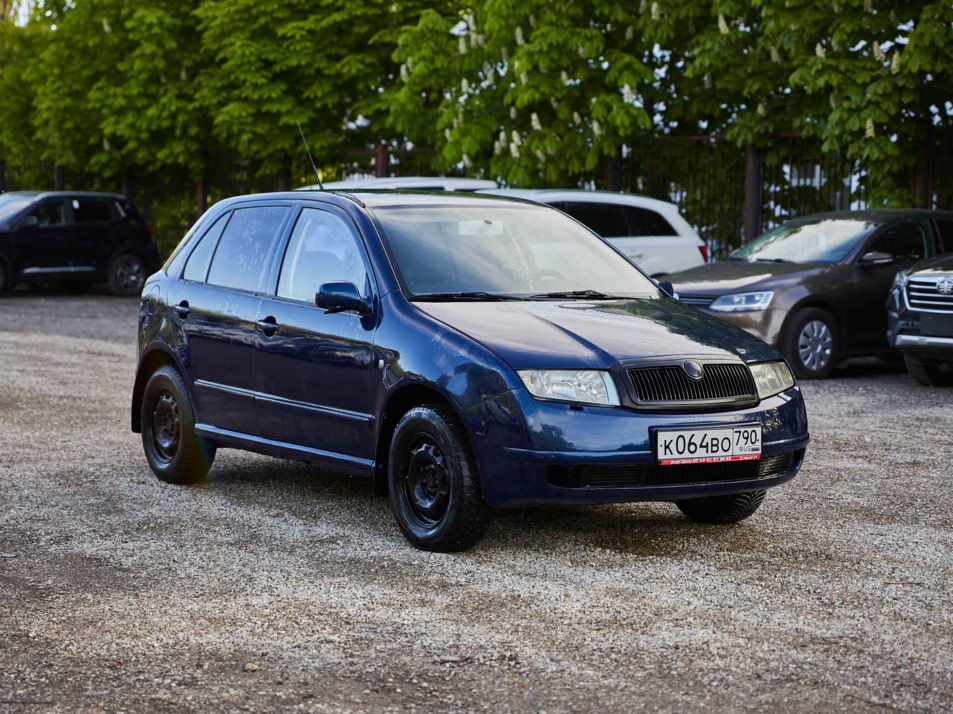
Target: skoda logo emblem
[(693, 369), (945, 286)]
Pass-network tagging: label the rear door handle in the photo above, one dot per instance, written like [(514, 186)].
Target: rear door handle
[(183, 310), (268, 326)]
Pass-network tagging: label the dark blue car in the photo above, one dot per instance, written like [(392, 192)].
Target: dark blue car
[(465, 352)]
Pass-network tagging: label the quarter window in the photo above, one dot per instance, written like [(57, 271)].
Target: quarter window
[(197, 267), (322, 249), (646, 222), (246, 247), (606, 219)]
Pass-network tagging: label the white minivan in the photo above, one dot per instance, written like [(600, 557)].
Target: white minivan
[(651, 233)]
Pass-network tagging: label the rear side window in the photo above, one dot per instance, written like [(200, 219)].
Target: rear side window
[(90, 210), (197, 267), (246, 248), (606, 219), (322, 249), (946, 236), (646, 222)]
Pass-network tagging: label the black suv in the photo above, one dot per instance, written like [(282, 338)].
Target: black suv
[(74, 237), (920, 319)]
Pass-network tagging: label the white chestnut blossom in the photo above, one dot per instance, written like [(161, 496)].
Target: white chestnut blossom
[(775, 55), (466, 161), (534, 121), (554, 103), (895, 62), (447, 134), (629, 33), (462, 45), (869, 131), (524, 78), (517, 139), (512, 112), (723, 25), (819, 50), (514, 151), (465, 86), (596, 129), (404, 74), (628, 96), (576, 119), (761, 110), (655, 12), (106, 28), (564, 77), (471, 21), (519, 37)]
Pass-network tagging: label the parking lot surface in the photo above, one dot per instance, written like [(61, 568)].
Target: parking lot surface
[(280, 587)]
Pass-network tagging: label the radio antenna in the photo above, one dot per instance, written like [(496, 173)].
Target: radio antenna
[(316, 175)]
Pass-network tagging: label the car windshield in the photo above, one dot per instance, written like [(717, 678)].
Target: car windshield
[(12, 203), (503, 251), (821, 241)]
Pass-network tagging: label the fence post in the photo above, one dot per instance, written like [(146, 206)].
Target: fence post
[(380, 161), (59, 178), (613, 173), (923, 173), (201, 197), (3, 176), (754, 192)]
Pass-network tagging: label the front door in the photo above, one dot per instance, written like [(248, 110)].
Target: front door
[(315, 368)]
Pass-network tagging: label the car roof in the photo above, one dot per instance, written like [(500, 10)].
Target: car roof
[(441, 183), (547, 195), (875, 215), (379, 198), (64, 194)]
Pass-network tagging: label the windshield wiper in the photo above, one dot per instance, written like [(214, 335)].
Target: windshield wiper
[(474, 295), (583, 294), (773, 260)]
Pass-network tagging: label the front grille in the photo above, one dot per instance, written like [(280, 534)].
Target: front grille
[(922, 294), (696, 300), (721, 383), (655, 475)]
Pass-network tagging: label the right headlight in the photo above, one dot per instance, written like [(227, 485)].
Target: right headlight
[(743, 302), (771, 378), (900, 279)]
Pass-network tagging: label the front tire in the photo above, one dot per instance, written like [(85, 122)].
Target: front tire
[(434, 486), (176, 454), (127, 274), (811, 343), (926, 373), (722, 509)]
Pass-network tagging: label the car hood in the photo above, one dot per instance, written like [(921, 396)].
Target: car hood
[(594, 335), (732, 276), (940, 264)]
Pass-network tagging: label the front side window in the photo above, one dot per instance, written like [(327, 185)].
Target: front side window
[(50, 213), (246, 248), (646, 222), (322, 249), (906, 242), (828, 240)]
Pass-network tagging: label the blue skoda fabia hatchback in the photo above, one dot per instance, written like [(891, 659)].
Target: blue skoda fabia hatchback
[(465, 352)]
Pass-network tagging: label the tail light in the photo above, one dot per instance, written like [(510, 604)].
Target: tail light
[(703, 249), (152, 231)]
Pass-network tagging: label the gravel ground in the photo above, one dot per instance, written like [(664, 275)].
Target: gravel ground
[(279, 587)]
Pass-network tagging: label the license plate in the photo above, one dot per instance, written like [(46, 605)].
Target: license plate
[(708, 446)]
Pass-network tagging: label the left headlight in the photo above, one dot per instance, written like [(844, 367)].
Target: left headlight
[(743, 302), (900, 279), (588, 386), (771, 378)]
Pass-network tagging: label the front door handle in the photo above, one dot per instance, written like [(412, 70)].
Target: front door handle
[(183, 310), (268, 326)]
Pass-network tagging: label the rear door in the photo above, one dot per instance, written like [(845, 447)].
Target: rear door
[(215, 306), (94, 233)]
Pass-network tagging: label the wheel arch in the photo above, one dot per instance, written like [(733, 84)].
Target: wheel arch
[(148, 364), (827, 306), (398, 403)]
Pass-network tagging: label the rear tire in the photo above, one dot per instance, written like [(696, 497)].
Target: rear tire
[(176, 454), (127, 274), (811, 343), (928, 374), (722, 509), (434, 487)]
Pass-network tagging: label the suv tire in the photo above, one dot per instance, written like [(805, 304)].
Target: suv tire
[(926, 373), (433, 482), (127, 274)]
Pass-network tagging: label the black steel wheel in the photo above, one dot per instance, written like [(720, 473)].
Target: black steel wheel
[(433, 482), (722, 509), (174, 451), (127, 273), (811, 343), (929, 374)]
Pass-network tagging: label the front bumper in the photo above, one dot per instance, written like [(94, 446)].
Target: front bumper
[(532, 452), (917, 333), (764, 324)]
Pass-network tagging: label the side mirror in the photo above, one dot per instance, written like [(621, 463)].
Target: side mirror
[(666, 287), (876, 258), (29, 222), (342, 296)]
